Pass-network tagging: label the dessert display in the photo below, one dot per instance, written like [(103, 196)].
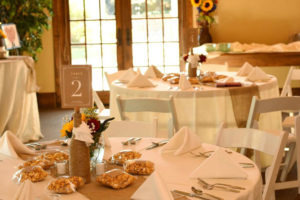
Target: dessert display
[(124, 155), (211, 77), (139, 167), (45, 164), (193, 80), (116, 179), (77, 181), (34, 174)]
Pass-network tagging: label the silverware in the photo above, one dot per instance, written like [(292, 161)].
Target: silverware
[(200, 192), (127, 141), (246, 165), (157, 144), (135, 140), (227, 187), (205, 154), (189, 194), (37, 146)]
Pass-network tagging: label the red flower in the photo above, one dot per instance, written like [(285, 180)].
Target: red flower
[(185, 57), (93, 124), (202, 58)]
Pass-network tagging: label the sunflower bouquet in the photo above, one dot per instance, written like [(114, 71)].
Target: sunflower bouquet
[(205, 9), (90, 117)]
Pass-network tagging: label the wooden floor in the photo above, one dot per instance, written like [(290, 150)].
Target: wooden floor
[(52, 121)]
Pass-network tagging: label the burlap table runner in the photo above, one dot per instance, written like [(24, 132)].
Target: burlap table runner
[(95, 191), (241, 98)]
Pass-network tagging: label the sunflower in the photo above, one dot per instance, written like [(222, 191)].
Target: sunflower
[(196, 3), (2, 35), (67, 127), (207, 5)]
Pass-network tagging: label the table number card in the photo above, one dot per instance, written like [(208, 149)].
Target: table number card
[(76, 88)]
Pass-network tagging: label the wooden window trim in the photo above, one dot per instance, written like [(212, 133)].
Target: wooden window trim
[(61, 38)]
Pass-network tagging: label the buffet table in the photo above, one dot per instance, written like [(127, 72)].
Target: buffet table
[(174, 171), (204, 107), (18, 102)]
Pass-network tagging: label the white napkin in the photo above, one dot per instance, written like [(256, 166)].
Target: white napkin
[(245, 69), (219, 165), (140, 81), (128, 75), (257, 74), (184, 84), (153, 72), (10, 145), (182, 142), (24, 191), (83, 133), (153, 188)]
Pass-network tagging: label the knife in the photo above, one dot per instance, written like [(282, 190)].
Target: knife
[(157, 144), (189, 194)]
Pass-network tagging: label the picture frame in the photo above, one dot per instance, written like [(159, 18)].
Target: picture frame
[(12, 41)]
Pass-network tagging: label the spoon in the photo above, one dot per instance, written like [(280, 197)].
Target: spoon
[(200, 192)]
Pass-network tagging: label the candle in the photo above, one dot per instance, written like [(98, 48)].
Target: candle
[(100, 168), (61, 168)]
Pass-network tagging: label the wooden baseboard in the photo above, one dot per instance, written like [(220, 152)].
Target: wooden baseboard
[(46, 100)]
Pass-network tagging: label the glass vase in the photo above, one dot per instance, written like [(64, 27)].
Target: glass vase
[(98, 155)]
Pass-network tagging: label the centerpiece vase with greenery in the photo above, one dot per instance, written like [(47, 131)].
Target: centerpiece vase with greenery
[(205, 18)]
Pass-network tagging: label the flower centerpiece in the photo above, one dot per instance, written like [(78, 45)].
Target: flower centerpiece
[(205, 17), (90, 117), (193, 60)]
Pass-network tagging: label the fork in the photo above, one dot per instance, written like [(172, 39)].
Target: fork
[(211, 186), (200, 192)]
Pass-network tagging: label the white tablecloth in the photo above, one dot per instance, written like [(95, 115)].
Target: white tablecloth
[(201, 110), (175, 171), (18, 103)]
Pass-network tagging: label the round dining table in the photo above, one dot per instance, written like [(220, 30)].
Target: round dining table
[(174, 172), (204, 107)]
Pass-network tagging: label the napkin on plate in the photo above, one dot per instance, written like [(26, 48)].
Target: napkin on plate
[(153, 188), (184, 84), (140, 81), (245, 69), (24, 191), (257, 74), (153, 72), (182, 142), (128, 75), (219, 165), (11, 146)]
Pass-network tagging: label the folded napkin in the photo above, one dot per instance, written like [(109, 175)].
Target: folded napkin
[(182, 142), (24, 191), (11, 146), (153, 188), (184, 84), (140, 81), (257, 74), (128, 75), (153, 72), (219, 165), (245, 69)]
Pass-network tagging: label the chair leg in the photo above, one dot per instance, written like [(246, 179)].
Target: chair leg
[(288, 161)]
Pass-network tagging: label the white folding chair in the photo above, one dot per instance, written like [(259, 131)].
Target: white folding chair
[(272, 105), (104, 113), (293, 75), (259, 141), (149, 105), (113, 76), (132, 129)]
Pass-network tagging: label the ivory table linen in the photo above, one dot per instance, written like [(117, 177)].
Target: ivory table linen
[(205, 107), (18, 102), (174, 173)]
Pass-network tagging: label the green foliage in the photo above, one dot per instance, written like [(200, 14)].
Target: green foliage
[(31, 18)]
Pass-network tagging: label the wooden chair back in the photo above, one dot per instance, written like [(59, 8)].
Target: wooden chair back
[(293, 75), (149, 105), (132, 129), (259, 141), (259, 106)]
